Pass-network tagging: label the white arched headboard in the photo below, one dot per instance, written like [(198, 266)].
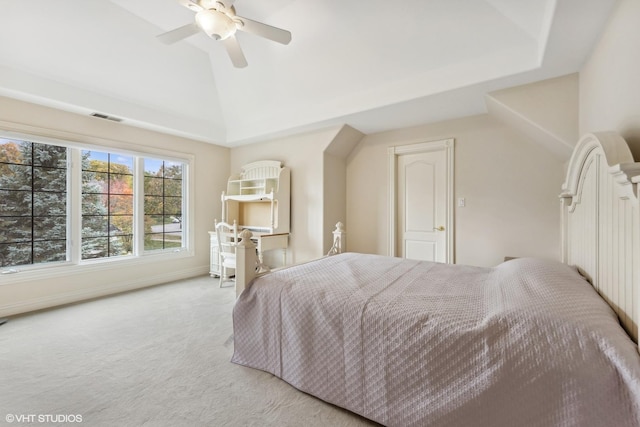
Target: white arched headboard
[(601, 222)]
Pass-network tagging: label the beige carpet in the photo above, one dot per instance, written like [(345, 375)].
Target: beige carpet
[(155, 357)]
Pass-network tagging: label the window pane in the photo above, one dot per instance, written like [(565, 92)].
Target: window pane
[(51, 156), (49, 228), (153, 167), (49, 251), (95, 247), (121, 224), (94, 204), (120, 164), (173, 240), (12, 151), (94, 226), (15, 229), (15, 203), (154, 223), (49, 179), (172, 170), (153, 186), (95, 161), (120, 184), (107, 204), (173, 187), (173, 206), (153, 205), (47, 204), (94, 182), (163, 204), (13, 254), (121, 232), (120, 245), (172, 224), (33, 202), (153, 241), (120, 205), (15, 177)]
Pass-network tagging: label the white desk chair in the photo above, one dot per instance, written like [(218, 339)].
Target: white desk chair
[(227, 236)]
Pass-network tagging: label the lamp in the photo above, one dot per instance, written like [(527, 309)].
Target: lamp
[(217, 25)]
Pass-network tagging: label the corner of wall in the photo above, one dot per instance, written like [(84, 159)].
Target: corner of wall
[(545, 111), (344, 141), (334, 180)]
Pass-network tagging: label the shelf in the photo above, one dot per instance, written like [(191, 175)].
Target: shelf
[(249, 197), (260, 196), (244, 186)]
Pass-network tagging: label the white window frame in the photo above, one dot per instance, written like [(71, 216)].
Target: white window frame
[(77, 143)]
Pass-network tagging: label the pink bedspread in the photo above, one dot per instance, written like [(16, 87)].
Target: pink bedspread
[(404, 343)]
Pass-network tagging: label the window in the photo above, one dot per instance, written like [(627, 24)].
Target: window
[(162, 204), (33, 203), (107, 204), (38, 223)]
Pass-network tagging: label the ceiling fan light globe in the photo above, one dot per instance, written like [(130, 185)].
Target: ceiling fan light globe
[(215, 24)]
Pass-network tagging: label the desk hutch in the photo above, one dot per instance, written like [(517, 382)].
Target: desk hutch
[(258, 199)]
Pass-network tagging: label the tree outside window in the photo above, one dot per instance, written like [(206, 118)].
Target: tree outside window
[(34, 199), (107, 204), (162, 204), (33, 203)]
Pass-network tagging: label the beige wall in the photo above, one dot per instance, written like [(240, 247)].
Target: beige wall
[(318, 185), (303, 154), (610, 80), (510, 184), (335, 196), (27, 291)]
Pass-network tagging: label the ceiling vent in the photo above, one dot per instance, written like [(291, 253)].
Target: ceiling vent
[(104, 116)]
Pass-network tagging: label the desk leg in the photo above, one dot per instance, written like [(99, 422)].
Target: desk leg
[(261, 265), (260, 258)]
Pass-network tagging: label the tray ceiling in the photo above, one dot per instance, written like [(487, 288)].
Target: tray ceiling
[(371, 64)]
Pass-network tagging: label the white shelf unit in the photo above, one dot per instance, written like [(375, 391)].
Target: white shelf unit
[(259, 197), (247, 187)]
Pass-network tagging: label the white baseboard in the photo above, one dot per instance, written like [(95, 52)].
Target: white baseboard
[(86, 294)]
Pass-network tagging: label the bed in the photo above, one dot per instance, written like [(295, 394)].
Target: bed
[(529, 342)]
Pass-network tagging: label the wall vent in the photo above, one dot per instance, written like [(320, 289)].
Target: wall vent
[(104, 116)]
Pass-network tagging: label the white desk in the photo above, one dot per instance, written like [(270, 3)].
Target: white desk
[(264, 242), (269, 242)]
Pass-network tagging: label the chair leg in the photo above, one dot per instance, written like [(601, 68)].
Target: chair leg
[(222, 273)]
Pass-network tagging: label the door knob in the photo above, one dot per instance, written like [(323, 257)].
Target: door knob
[(441, 228)]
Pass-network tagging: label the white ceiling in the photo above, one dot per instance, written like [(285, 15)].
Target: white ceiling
[(372, 64)]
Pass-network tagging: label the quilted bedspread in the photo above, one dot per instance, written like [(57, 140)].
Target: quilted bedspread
[(414, 343)]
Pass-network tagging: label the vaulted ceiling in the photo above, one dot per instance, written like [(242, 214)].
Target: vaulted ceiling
[(372, 64)]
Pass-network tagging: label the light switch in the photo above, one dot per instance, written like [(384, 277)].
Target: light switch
[(461, 202)]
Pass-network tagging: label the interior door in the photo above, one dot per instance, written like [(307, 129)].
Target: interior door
[(422, 206)]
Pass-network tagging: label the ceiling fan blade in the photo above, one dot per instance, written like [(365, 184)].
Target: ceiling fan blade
[(264, 30), (193, 5), (235, 52), (178, 33), (207, 4)]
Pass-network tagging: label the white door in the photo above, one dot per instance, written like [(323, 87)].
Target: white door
[(422, 206)]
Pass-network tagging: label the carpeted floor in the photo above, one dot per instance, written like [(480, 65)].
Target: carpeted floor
[(154, 357)]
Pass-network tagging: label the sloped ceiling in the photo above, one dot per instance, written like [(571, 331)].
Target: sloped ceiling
[(374, 65)]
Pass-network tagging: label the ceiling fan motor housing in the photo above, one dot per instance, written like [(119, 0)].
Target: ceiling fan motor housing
[(216, 24)]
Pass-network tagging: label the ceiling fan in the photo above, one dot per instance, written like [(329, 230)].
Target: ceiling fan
[(218, 20)]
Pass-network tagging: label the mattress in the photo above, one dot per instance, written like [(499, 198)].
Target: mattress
[(415, 343)]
